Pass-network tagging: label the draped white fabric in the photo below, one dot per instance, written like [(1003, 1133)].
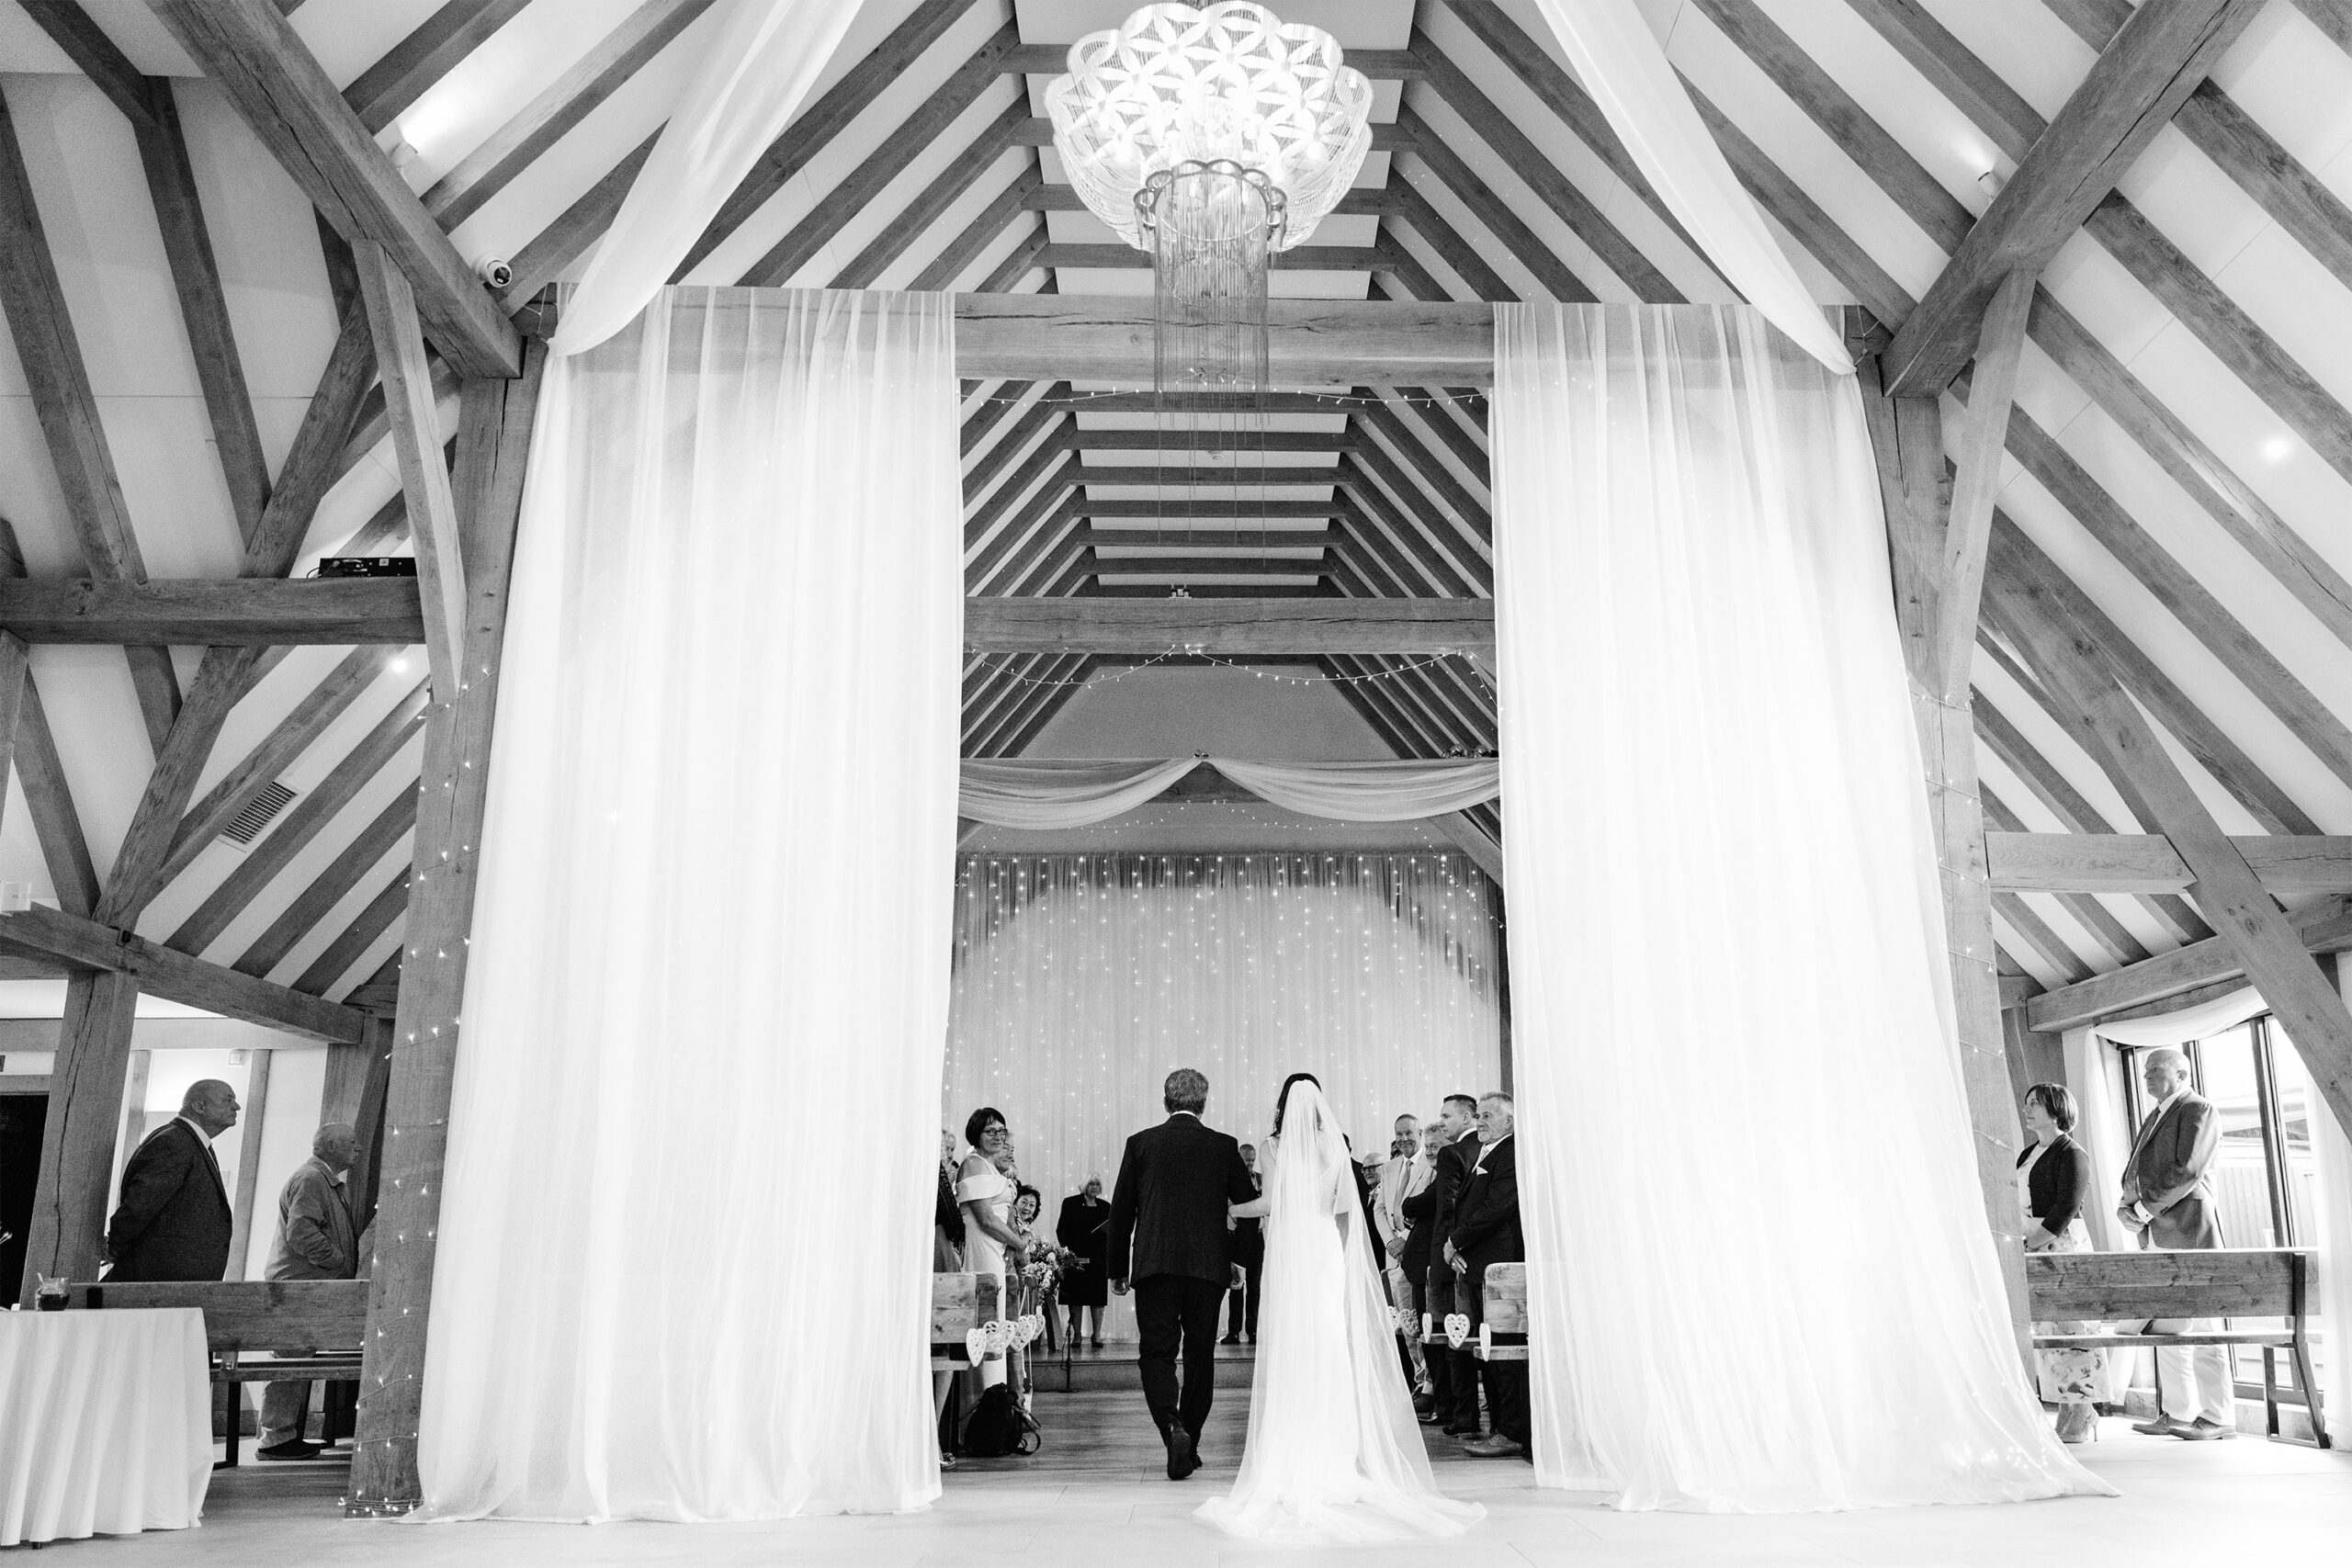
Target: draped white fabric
[(765, 58), (2188, 1023), (1046, 792), (1791, 1300), (1370, 792), (1052, 793), (1624, 66), (707, 943), (1080, 980)]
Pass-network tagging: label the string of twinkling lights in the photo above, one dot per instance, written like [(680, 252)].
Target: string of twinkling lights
[(1079, 980), (1341, 400)]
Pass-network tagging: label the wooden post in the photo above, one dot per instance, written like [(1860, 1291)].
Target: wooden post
[(494, 440), (135, 1110), (77, 1145), (346, 1080), (1906, 437), (367, 1157), (249, 1126)]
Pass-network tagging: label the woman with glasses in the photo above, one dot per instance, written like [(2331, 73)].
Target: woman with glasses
[(985, 1195)]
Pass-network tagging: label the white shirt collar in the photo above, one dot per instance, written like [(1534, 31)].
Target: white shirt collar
[(2166, 1103), (202, 1136), (1193, 1114)]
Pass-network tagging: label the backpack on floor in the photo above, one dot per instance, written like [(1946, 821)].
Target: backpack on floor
[(1000, 1428)]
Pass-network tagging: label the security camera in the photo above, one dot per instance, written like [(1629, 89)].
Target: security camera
[(495, 271)]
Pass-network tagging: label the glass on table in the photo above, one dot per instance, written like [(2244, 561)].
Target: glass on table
[(49, 1294)]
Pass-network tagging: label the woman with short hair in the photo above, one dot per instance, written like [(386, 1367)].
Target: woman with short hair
[(985, 1195), (2053, 1185)]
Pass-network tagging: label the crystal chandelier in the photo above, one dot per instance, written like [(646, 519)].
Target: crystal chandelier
[(1229, 82), (1211, 137)]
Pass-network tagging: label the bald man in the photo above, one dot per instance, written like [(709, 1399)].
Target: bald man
[(174, 1222), (316, 1240)]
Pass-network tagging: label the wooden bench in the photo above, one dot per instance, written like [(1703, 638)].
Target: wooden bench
[(2134, 1287), (959, 1304), (315, 1326)]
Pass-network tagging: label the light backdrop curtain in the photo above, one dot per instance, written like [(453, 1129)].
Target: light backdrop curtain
[(1762, 1277), (1081, 980), (685, 1251), (1051, 793), (764, 59), (1624, 65)]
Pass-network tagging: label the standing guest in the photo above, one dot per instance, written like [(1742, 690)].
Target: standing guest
[(1486, 1231), (1084, 1229), (1027, 1204), (1454, 1374), (1249, 1240), (174, 1222), (2054, 1183), (946, 1257), (985, 1195), (2168, 1201), (1408, 1174), (1418, 1208), (315, 1241)]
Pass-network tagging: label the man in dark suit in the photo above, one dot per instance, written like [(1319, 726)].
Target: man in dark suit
[(174, 1222), (1454, 1374), (1485, 1231), (1168, 1238), (2168, 1200)]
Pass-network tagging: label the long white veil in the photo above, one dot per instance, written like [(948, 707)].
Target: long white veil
[(1334, 1453)]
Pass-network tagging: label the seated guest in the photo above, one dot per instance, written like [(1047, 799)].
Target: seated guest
[(1083, 1230), (314, 1241), (174, 1222), (985, 1195), (2054, 1183), (2168, 1201), (1486, 1231)]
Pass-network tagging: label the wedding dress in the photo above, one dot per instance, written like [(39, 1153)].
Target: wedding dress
[(1334, 1454)]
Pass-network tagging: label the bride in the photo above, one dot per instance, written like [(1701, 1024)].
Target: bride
[(1334, 1454)]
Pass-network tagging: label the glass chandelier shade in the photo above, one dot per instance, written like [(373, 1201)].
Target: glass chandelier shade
[(1228, 82)]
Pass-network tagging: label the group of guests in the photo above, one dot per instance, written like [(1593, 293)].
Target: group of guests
[(2167, 1203), (174, 1222), (986, 1220)]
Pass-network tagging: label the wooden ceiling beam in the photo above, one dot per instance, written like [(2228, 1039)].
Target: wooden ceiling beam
[(1020, 442), (237, 611), (2053, 950), (86, 944), (359, 856), (1415, 212), (928, 205), (293, 833), (1431, 409), (2014, 557), (1019, 263), (2088, 911), (42, 774), (284, 96), (1053, 463), (2115, 863), (967, 248), (1470, 514), (454, 29), (596, 76), (2057, 794), (575, 228), (1401, 271), (1202, 476), (2331, 18), (1960, 569), (366, 929), (1417, 538), (2133, 88), (1229, 628), (1450, 169), (1049, 521), (50, 354), (814, 128), (859, 187), (1520, 154), (394, 323), (2324, 927)]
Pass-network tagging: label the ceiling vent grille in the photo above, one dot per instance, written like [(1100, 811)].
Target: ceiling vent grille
[(263, 809)]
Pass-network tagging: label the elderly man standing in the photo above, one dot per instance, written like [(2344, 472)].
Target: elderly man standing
[(314, 1241), (174, 1222), (1487, 1232), (2168, 1200)]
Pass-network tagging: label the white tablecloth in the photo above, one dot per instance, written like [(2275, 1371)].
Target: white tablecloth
[(106, 1422)]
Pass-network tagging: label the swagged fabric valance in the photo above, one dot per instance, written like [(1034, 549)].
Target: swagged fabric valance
[(1054, 794)]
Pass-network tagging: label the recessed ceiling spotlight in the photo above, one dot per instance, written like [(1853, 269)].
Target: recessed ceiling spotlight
[(1991, 182), (2278, 448), (399, 665)]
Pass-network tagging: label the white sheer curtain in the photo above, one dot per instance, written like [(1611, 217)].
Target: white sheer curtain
[(1761, 1275), (1080, 980), (765, 58), (1050, 793), (1624, 67), (684, 1267)]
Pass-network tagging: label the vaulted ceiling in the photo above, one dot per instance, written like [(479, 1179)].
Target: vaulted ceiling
[(2178, 472)]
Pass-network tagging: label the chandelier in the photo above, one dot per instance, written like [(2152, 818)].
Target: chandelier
[(1211, 137), (1229, 82)]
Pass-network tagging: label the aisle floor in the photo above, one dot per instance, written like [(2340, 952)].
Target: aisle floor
[(1096, 1496)]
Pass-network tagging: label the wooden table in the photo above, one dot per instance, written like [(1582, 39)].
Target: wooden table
[(106, 1422)]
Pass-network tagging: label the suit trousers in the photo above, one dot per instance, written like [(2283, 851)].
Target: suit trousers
[(1241, 1312), (1176, 1314), (1506, 1381), (285, 1412), (2194, 1381), (1454, 1374)]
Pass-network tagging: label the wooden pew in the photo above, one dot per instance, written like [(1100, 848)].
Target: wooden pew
[(959, 1304), (316, 1326), (2131, 1287), (1502, 1331)]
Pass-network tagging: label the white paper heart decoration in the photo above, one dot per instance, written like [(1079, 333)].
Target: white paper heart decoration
[(976, 1343), (1458, 1328), (999, 1334), (1407, 1322)]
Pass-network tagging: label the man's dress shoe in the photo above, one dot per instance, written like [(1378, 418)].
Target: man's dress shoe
[(1184, 1455), (2162, 1426), (293, 1448), (1496, 1447), (2202, 1431)]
